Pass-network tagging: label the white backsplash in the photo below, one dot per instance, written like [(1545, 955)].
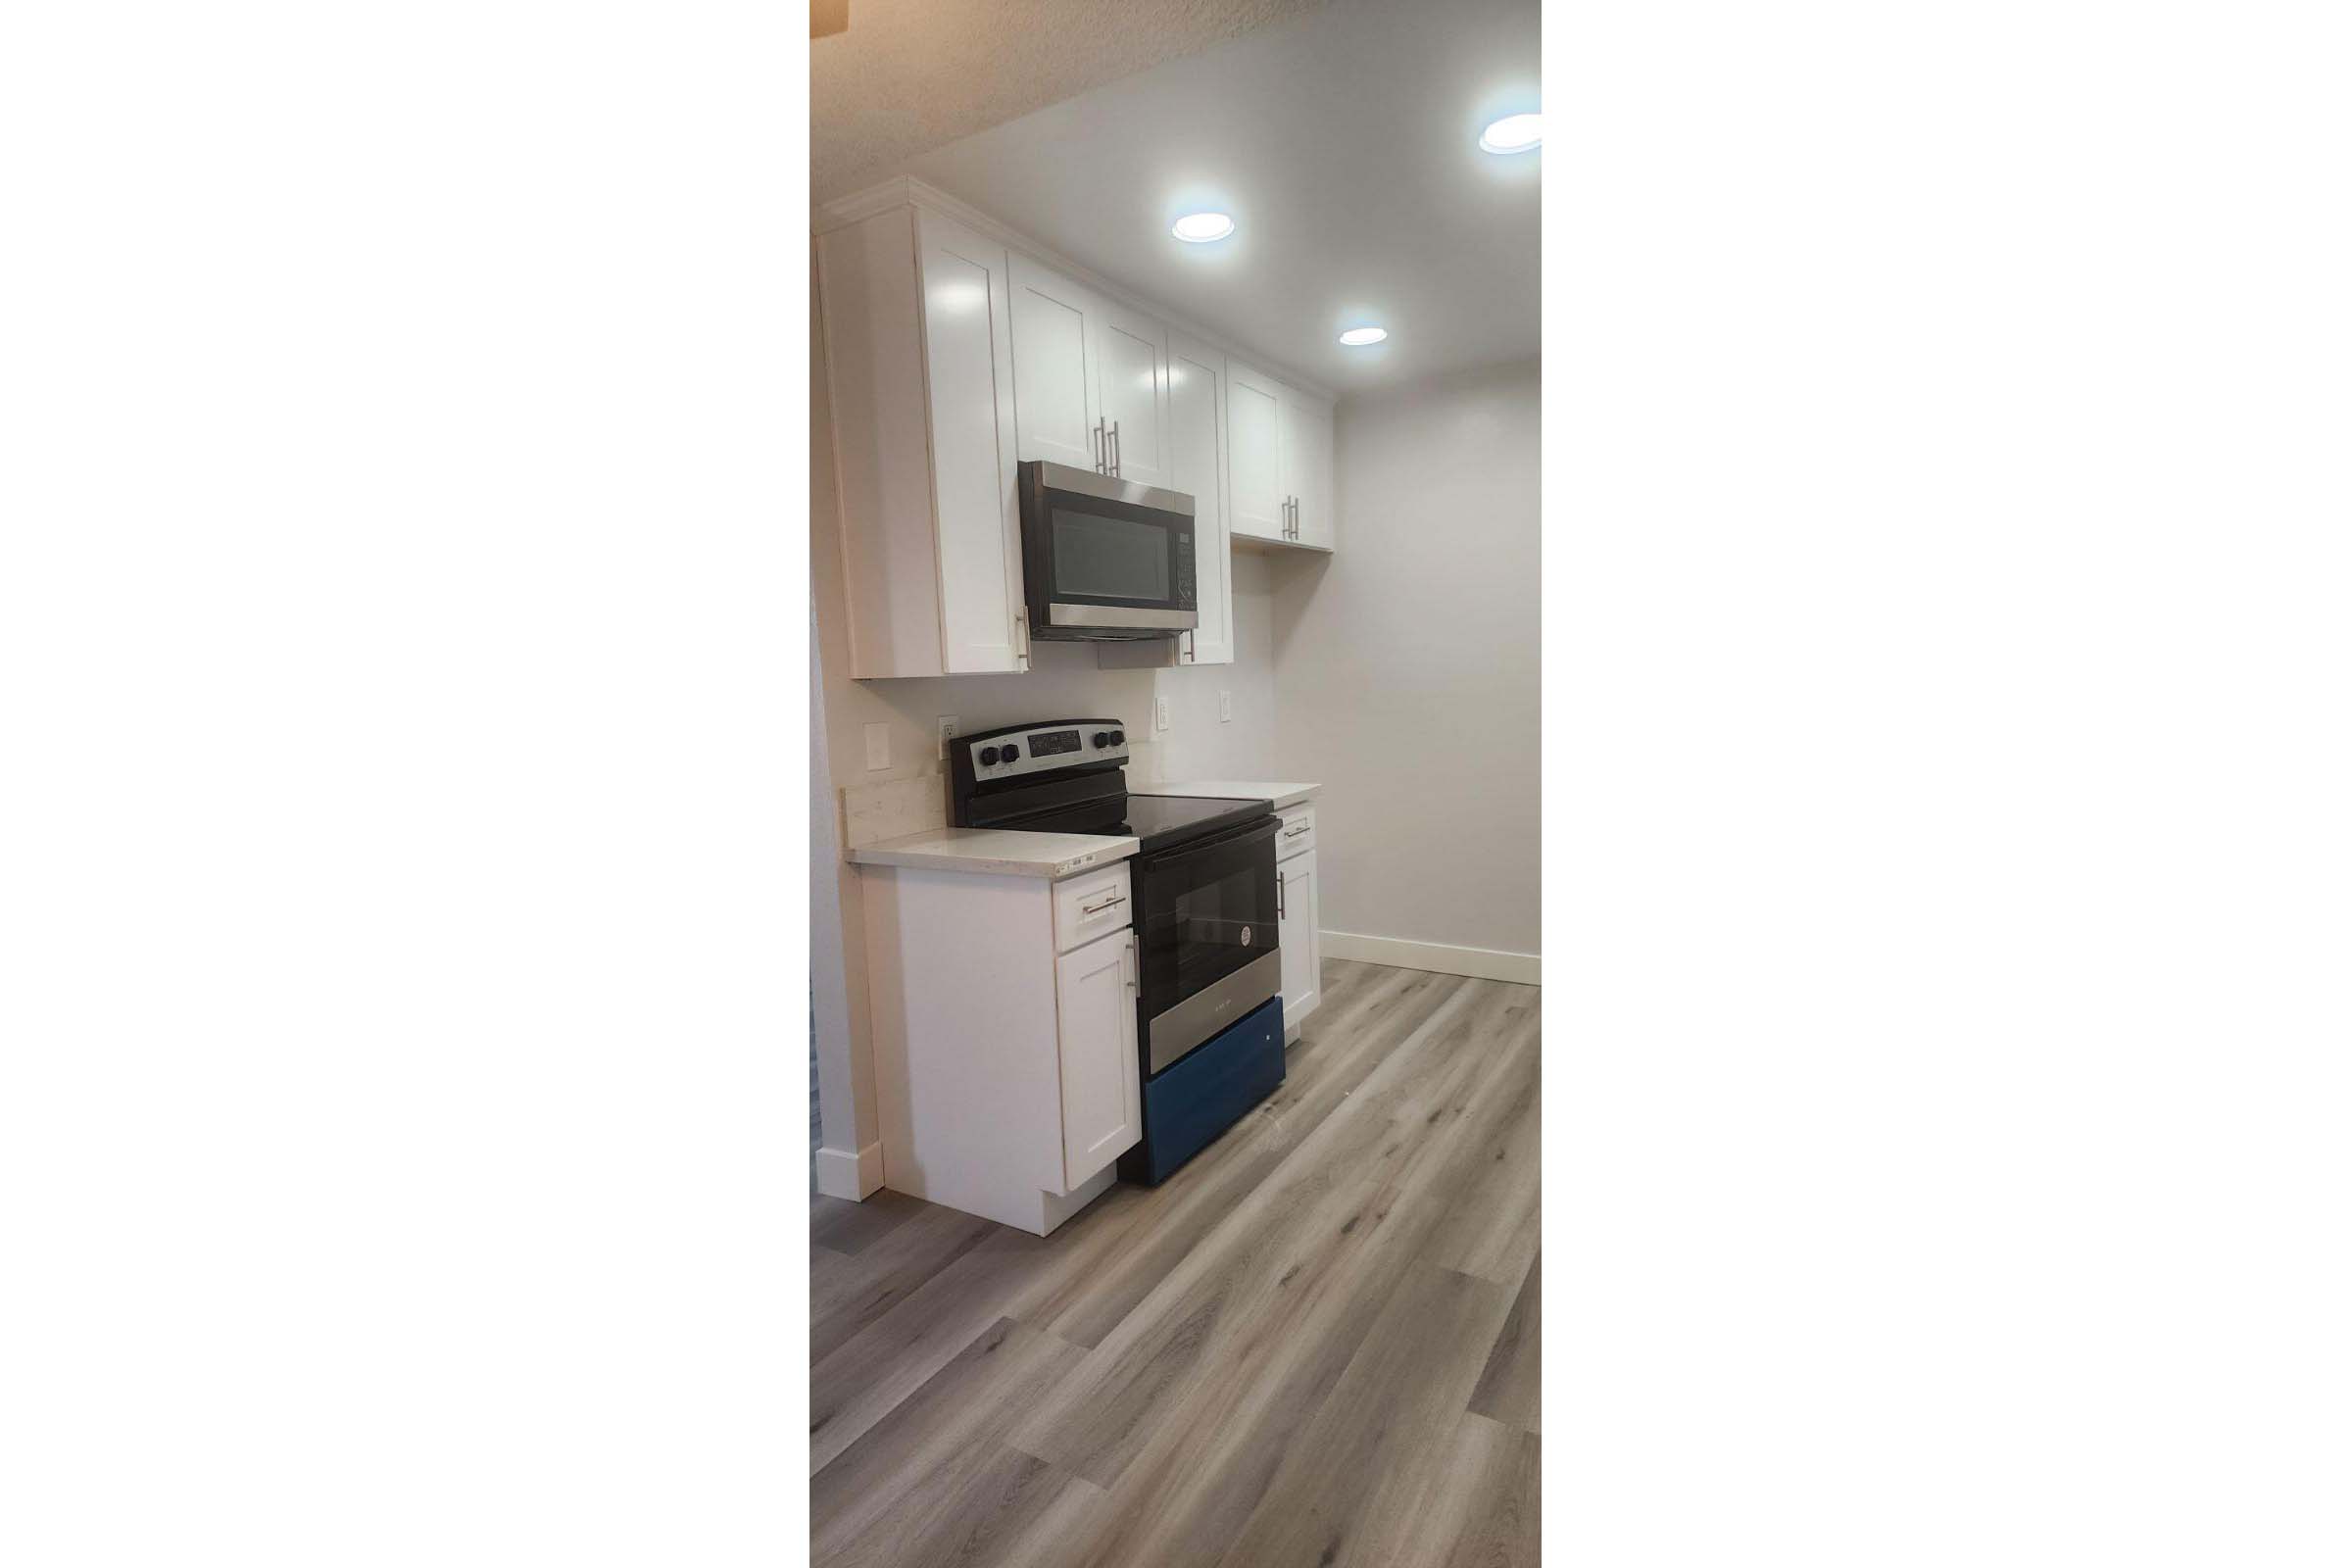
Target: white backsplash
[(891, 808)]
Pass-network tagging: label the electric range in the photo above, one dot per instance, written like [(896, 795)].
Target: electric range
[(1205, 914)]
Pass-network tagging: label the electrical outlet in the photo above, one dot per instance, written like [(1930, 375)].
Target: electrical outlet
[(947, 733), (1224, 708), (1159, 712), (877, 747)]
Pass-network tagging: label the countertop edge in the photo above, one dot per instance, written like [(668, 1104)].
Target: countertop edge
[(1280, 794), (1046, 870)]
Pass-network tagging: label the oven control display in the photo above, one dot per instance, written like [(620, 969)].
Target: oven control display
[(1053, 742)]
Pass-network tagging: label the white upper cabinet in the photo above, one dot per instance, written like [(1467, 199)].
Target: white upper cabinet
[(1260, 508), (917, 314), (1279, 453), (1055, 324), (1131, 373), (1306, 466), (1197, 466), (966, 315), (952, 357), (1089, 378)]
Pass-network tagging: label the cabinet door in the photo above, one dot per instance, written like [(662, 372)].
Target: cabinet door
[(1307, 468), (1131, 382), (1253, 452), (1301, 939), (966, 318), (1197, 466), (1053, 350), (1101, 1097)]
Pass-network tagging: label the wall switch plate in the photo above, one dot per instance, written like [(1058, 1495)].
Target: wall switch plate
[(877, 747), (1224, 708), (947, 733), (1159, 712)]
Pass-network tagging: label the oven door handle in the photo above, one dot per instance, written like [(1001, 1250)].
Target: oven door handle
[(1157, 863)]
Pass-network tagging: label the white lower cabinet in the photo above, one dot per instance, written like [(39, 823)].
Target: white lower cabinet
[(1101, 1099), (1301, 938), (1004, 1069)]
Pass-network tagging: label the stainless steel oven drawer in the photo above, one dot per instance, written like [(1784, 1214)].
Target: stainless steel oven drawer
[(1201, 1014)]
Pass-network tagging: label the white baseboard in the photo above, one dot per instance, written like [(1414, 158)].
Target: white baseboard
[(842, 1174), (1480, 963)]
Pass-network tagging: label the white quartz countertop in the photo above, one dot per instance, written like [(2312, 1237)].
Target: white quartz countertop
[(1002, 851), (1282, 795)]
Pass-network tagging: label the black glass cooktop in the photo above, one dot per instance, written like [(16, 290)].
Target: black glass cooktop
[(1156, 820)]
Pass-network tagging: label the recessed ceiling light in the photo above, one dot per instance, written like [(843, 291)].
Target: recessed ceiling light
[(1355, 337), (1513, 133), (1198, 229)]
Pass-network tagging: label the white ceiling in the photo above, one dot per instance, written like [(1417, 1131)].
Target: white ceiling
[(908, 76), (1344, 143)]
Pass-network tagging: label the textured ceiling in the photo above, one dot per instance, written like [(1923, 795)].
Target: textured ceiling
[(912, 75), (1343, 142)]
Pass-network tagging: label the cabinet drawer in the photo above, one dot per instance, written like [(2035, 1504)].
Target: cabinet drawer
[(1298, 834), (1089, 906)]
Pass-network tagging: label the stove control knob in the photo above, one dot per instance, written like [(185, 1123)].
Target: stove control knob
[(1118, 737), (987, 756), (1102, 739), (1012, 753)]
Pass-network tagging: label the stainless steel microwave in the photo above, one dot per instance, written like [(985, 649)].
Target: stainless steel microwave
[(1105, 560)]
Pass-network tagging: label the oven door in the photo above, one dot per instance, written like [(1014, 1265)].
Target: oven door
[(1104, 560), (1205, 914)]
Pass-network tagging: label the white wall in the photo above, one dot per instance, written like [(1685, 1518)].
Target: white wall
[(1198, 745), (1408, 666)]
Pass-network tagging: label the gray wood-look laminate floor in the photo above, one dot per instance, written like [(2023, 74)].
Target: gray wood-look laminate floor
[(1315, 1344)]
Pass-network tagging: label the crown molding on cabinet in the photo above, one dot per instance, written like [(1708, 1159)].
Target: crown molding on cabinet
[(905, 190)]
